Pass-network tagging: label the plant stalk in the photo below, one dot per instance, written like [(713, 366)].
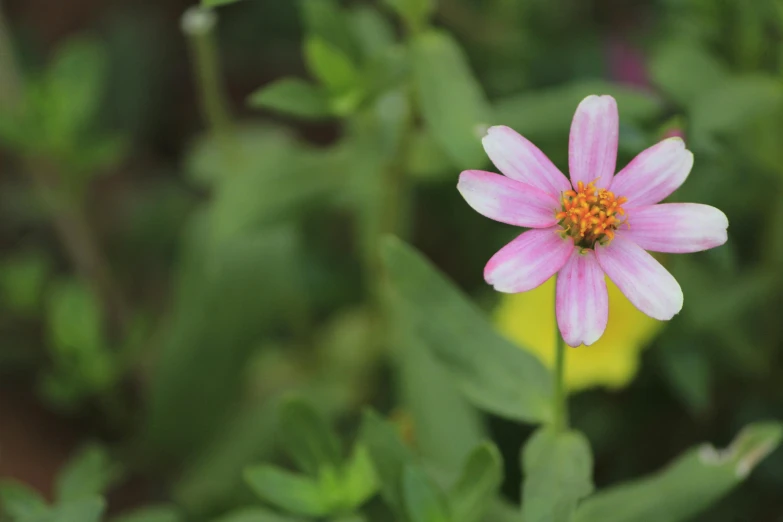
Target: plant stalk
[(199, 24), (68, 218), (560, 398)]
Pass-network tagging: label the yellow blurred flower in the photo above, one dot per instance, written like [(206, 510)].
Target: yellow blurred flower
[(528, 319)]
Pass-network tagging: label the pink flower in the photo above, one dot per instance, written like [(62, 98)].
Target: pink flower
[(599, 223)]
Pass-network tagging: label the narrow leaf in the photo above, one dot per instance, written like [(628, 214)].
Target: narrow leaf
[(499, 378), (309, 440), (558, 471), (478, 484), (19, 501), (415, 13), (292, 96), (360, 480), (423, 501), (688, 485), (89, 473), (216, 3), (685, 70), (330, 65), (326, 20), (452, 101), (389, 455), (83, 510), (151, 514), (288, 491), (256, 515)]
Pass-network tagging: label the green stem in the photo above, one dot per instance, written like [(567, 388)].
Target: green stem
[(68, 216), (198, 24), (559, 405)]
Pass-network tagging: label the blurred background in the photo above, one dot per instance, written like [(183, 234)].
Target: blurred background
[(189, 227)]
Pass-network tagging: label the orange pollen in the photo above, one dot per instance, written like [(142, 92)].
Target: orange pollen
[(590, 215)]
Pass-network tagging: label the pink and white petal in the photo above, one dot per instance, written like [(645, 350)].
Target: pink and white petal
[(582, 301), (654, 174), (519, 159), (528, 261), (643, 280), (592, 148), (677, 228), (502, 199)]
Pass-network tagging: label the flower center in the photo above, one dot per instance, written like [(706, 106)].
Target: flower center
[(590, 215)]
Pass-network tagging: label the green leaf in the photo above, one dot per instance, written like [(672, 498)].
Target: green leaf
[(88, 474), (216, 3), (389, 455), (213, 477), (75, 318), (75, 83), (685, 71), (732, 104), (423, 501), (477, 486), (325, 20), (304, 177), (294, 97), (19, 501), (415, 13), (452, 101), (256, 149), (102, 152), (558, 471), (688, 485), (83, 510), (255, 515), (151, 514), (228, 294), (374, 33), (548, 112), (427, 160), (330, 65), (499, 377), (289, 491), (437, 407), (309, 440), (359, 479), (22, 280)]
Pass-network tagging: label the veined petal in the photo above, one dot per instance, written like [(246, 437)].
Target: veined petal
[(677, 228), (647, 284), (654, 174), (519, 159), (582, 301), (503, 199), (592, 148), (528, 261)]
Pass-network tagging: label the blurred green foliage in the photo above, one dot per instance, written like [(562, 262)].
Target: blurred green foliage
[(168, 282)]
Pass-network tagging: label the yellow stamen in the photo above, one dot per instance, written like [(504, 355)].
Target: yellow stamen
[(589, 215)]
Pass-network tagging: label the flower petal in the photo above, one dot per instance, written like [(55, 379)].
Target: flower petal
[(643, 280), (528, 261), (654, 174), (592, 148), (677, 228), (519, 159), (502, 199), (582, 301)]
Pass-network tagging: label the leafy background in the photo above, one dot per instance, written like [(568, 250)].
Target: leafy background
[(170, 273)]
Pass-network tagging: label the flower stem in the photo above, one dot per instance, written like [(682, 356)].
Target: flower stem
[(198, 24), (67, 213), (559, 405)]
